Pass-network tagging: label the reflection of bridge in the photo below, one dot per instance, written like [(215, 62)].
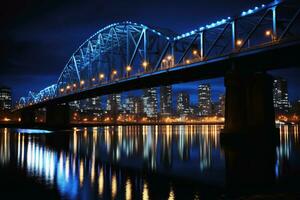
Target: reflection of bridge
[(127, 56)]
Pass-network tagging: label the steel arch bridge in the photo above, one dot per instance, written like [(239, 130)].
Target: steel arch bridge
[(125, 50)]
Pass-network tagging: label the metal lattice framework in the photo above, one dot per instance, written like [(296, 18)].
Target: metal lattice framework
[(125, 50)]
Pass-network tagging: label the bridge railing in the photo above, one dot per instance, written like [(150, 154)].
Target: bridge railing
[(140, 50)]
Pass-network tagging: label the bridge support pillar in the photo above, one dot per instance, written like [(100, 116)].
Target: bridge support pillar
[(249, 109), (27, 117), (58, 116)]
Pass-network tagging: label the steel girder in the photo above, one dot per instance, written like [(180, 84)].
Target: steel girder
[(126, 49)]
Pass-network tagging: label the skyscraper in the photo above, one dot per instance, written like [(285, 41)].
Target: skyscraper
[(91, 104), (166, 100), (133, 105), (183, 103), (113, 105), (150, 102), (221, 106), (280, 95), (204, 97), (5, 98)]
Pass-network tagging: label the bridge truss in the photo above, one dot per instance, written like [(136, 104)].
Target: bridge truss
[(126, 50)]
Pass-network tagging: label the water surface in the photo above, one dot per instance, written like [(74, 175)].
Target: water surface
[(142, 162)]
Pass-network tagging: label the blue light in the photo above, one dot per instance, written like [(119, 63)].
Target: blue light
[(33, 131), (250, 11), (244, 13)]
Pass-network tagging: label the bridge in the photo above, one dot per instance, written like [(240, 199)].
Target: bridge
[(127, 56)]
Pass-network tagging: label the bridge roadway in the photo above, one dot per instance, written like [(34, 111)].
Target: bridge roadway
[(267, 57)]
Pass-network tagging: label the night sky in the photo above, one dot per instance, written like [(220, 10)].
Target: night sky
[(38, 37)]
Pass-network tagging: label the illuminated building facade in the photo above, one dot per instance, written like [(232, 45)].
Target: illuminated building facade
[(113, 104), (204, 98), (166, 100), (133, 105), (5, 98), (150, 102), (91, 104), (75, 105), (183, 103), (280, 95), (221, 106)]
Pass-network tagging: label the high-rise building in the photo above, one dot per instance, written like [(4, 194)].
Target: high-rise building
[(91, 104), (150, 102), (280, 95), (75, 105), (183, 103), (5, 98), (113, 105), (221, 106), (204, 98), (166, 100), (133, 105)]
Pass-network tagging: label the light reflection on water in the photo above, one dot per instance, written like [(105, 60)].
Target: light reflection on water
[(85, 163)]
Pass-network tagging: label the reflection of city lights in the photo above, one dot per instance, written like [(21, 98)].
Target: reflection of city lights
[(145, 192), (101, 182), (81, 173), (128, 190), (171, 195), (114, 186)]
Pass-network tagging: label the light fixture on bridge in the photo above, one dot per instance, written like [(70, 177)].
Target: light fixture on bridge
[(93, 79), (114, 72), (128, 68), (169, 57), (268, 33), (68, 87), (74, 85), (195, 52), (62, 90), (145, 64), (82, 82), (101, 76), (188, 61), (239, 42), (164, 61)]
